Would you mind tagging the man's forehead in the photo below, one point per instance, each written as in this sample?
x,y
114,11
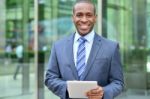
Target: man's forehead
x,y
83,6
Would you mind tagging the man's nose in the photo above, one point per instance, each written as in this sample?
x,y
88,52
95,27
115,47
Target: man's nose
x,y
84,19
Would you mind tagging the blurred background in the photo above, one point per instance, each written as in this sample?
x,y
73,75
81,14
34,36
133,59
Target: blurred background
x,y
21,77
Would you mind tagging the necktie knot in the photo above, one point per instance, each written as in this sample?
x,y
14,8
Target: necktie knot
x,y
82,40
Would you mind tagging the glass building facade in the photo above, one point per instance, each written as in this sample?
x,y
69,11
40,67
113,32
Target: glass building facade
x,y
124,21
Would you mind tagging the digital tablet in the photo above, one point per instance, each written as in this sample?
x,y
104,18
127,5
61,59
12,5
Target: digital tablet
x,y
78,89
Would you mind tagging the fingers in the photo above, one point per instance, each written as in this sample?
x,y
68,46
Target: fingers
x,y
98,90
96,93
95,97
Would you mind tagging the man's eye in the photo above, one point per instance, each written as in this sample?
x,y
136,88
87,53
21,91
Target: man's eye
x,y
89,15
78,15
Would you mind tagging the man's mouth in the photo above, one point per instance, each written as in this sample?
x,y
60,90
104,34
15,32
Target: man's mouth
x,y
84,27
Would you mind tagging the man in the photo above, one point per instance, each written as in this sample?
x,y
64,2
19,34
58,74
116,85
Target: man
x,y
85,56
19,54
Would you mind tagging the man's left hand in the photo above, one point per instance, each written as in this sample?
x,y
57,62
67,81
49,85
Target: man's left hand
x,y
96,93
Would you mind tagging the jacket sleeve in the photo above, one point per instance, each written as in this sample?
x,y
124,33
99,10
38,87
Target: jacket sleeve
x,y
53,77
116,82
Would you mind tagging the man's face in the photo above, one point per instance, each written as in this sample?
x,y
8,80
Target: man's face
x,y
84,18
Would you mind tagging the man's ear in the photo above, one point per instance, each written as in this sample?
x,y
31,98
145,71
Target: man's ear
x,y
73,18
95,18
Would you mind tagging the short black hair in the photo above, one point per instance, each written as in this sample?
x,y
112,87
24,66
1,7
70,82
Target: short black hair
x,y
85,1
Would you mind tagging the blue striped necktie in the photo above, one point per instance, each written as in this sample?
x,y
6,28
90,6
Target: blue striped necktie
x,y
81,57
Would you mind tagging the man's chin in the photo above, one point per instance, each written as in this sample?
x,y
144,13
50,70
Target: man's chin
x,y
83,33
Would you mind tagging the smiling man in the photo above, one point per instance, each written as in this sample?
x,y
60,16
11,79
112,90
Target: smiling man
x,y
84,17
85,56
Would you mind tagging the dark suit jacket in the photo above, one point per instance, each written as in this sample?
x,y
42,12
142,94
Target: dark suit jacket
x,y
103,66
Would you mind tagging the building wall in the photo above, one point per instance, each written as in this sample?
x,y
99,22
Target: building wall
x,y
2,25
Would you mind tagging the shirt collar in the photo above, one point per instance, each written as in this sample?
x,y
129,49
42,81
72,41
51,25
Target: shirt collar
x,y
89,37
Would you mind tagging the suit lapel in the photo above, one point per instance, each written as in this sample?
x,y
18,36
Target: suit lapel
x,y
69,55
95,48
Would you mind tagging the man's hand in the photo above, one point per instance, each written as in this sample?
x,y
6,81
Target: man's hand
x,y
96,93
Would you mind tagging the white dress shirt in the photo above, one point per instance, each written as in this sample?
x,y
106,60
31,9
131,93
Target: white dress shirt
x,y
88,44
19,51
